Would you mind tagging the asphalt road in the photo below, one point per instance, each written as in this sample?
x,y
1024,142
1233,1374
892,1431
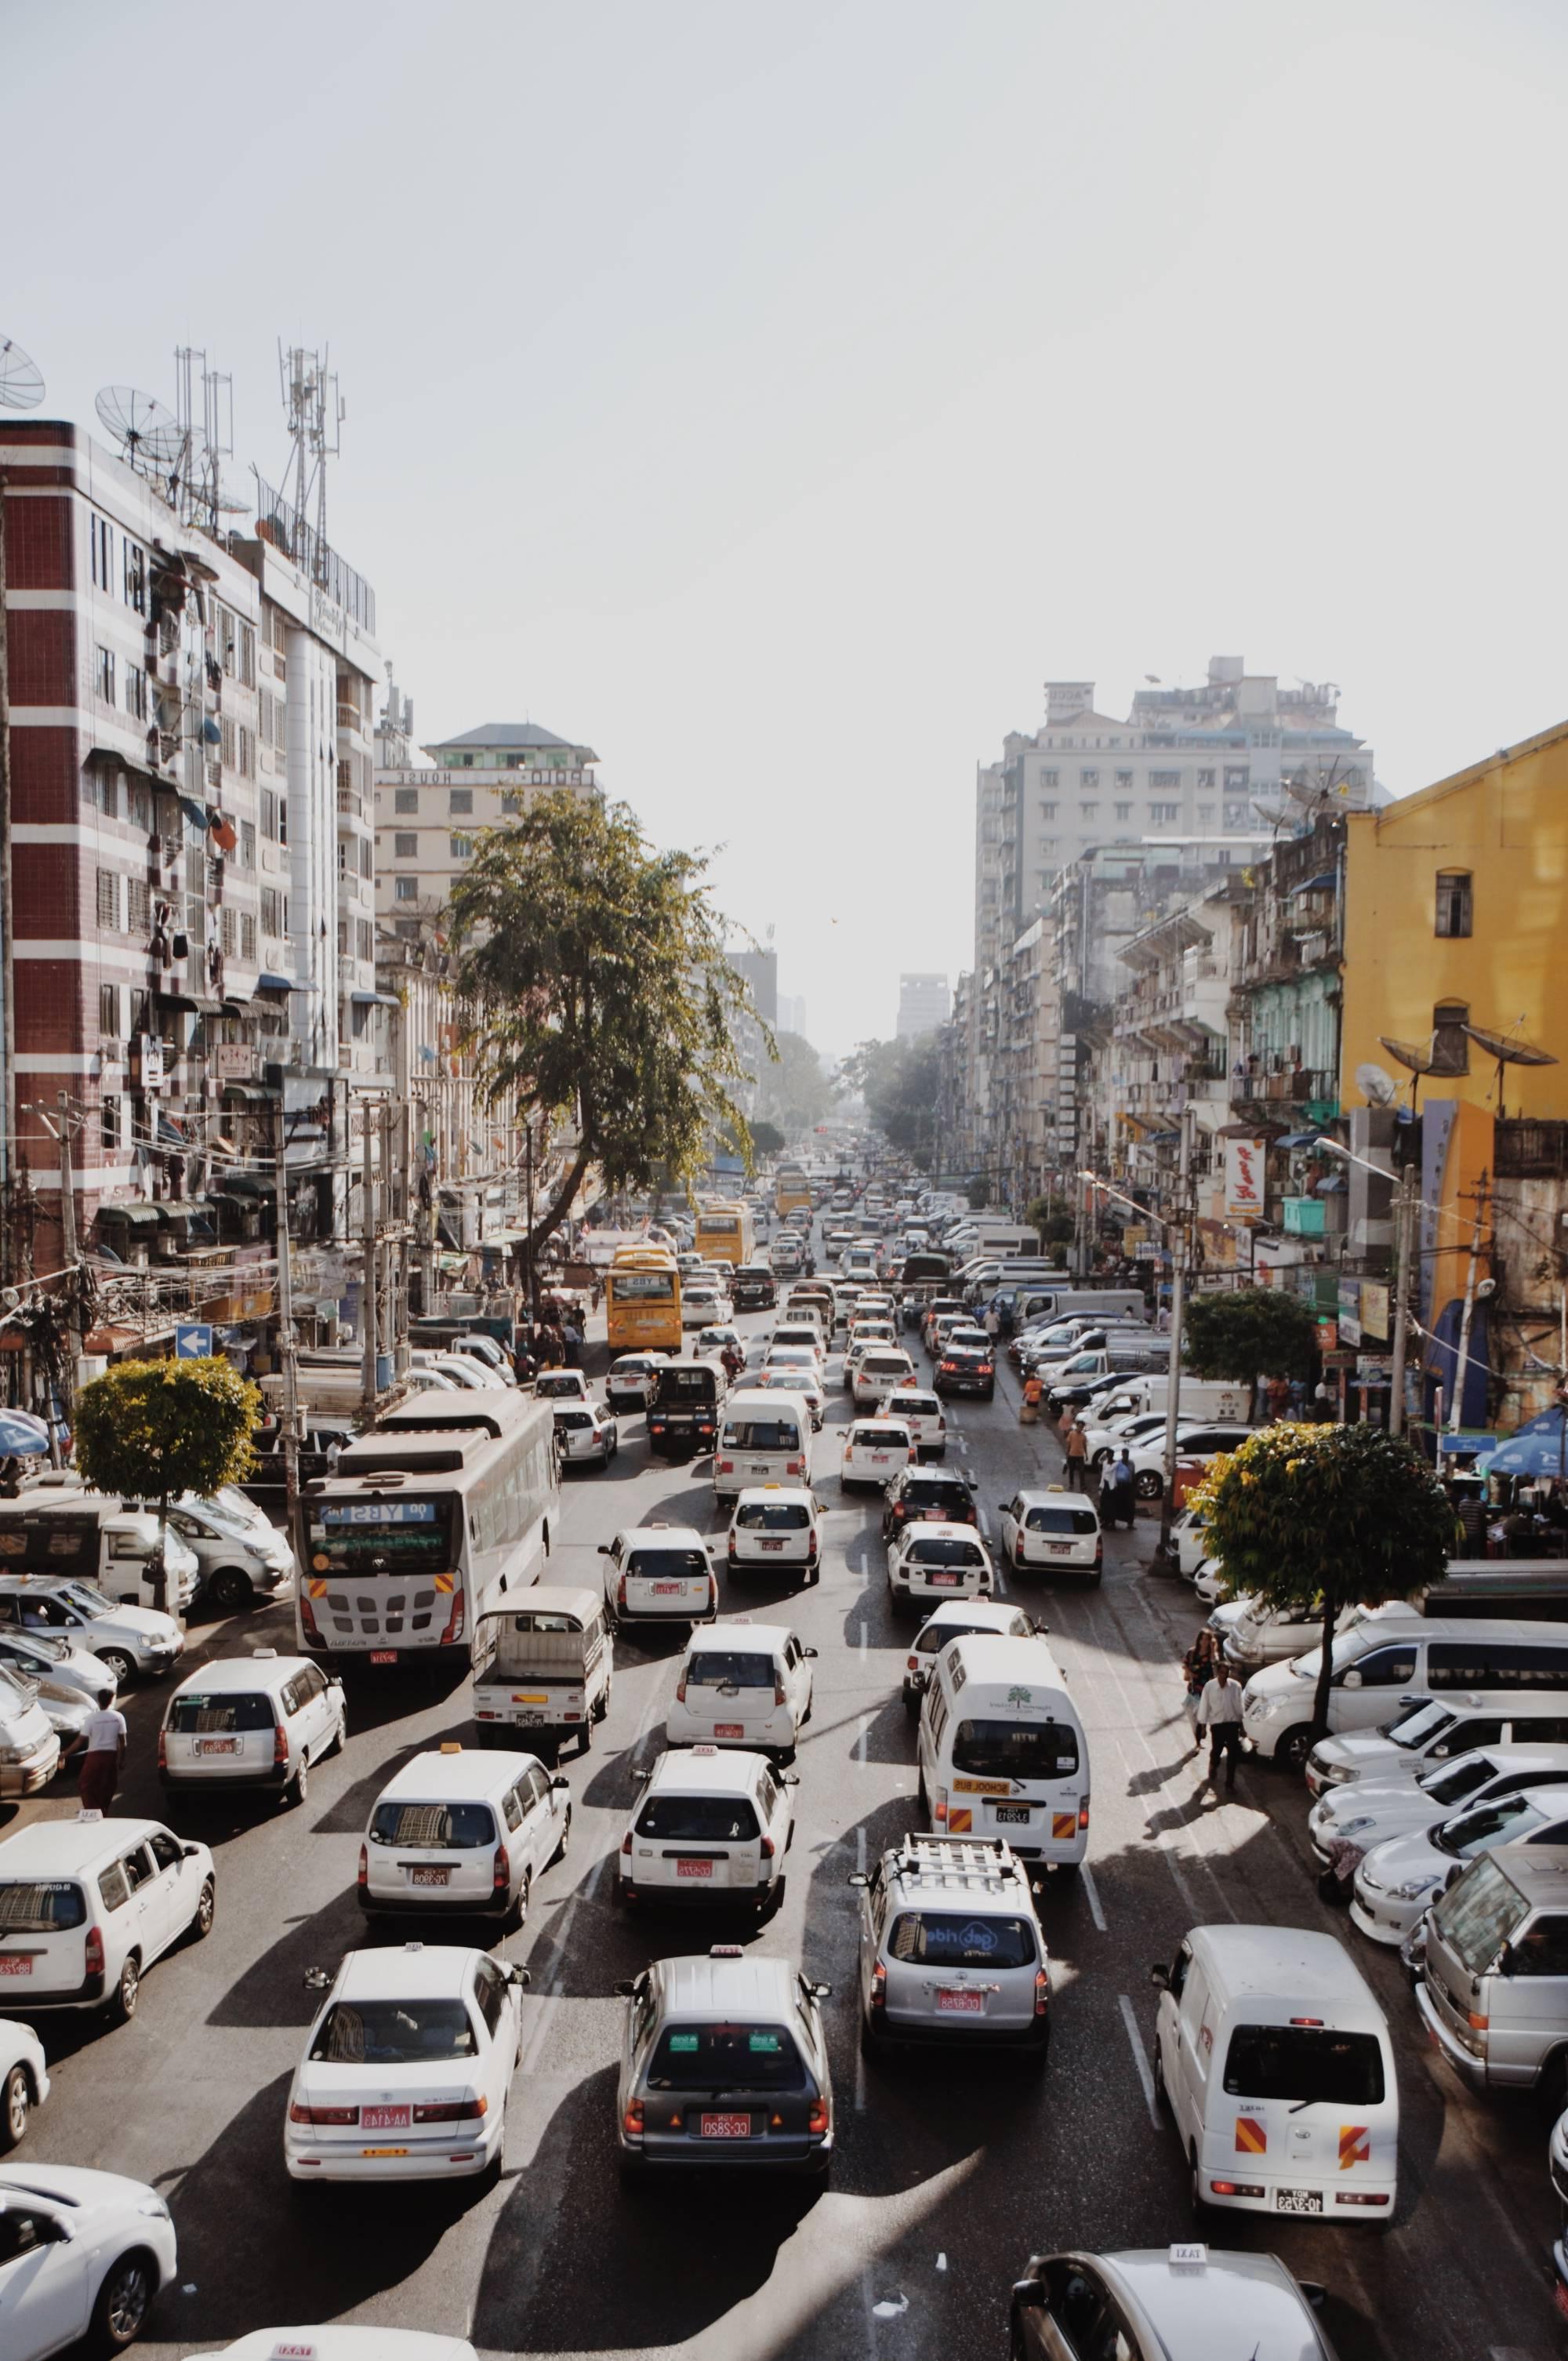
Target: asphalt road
x,y
948,2173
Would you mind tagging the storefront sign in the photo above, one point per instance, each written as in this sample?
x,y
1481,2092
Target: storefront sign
x,y
236,1061
1328,1336
1350,1311
1374,1310
1243,1176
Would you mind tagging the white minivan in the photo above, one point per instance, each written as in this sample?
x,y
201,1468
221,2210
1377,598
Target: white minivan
x,y
764,1438
1002,1752
456,1831
55,1531
29,1744
1273,2058
87,1905
260,1720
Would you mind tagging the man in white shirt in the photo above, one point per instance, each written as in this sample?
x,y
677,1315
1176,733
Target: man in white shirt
x,y
1220,1713
100,1773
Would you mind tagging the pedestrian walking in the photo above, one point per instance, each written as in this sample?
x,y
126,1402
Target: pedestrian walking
x,y
1077,1457
1220,1713
1118,1491
993,1323
1197,1670
100,1772
1029,1409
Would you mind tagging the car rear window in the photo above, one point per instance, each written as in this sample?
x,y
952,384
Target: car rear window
x,y
1065,1522
1304,2062
438,1827
394,2033
199,1717
883,1438
928,1553
547,1387
573,1419
726,2057
747,1669
1016,1749
950,1940
665,1564
46,1907
762,1434
698,1819
933,1492
773,1516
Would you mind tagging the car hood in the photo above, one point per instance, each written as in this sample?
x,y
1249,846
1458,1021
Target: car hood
x,y
1390,1816
77,2182
147,1620
1412,1855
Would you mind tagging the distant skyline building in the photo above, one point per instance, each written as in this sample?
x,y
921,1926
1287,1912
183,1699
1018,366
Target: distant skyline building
x,y
791,1015
426,819
925,1003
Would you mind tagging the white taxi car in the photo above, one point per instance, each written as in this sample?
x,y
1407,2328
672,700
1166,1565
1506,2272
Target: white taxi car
x,y
83,2255
407,2068
924,1413
776,1525
339,2341
465,1832
87,1905
633,1381
748,1685
875,1449
260,1720
951,1948
1051,1532
928,1563
803,1382
585,1433
712,1825
877,1371
952,1620
659,1574
24,2080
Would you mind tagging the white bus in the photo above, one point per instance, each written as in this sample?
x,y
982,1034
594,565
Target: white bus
x,y
446,1506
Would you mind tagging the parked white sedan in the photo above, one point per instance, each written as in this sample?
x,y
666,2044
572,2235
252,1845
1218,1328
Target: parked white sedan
x,y
929,1563
1366,1815
1397,1881
81,2254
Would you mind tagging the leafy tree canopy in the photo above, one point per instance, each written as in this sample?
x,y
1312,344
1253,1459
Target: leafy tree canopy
x,y
767,1139
1251,1333
1052,1217
151,1430
899,1081
593,970
1330,1515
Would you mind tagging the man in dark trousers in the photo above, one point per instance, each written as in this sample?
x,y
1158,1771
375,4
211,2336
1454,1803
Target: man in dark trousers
x,y
1220,1713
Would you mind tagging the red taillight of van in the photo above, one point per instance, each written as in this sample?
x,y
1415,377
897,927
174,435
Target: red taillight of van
x,y
769,1849
1042,1991
730,1544
620,1592
879,1989
163,1750
778,1692
280,1746
794,1467
820,2122
308,1619
364,1866
94,1959
500,1876
626,1845
1083,1814
681,1690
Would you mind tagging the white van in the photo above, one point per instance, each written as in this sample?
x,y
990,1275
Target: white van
x,y
29,1744
1274,2060
1199,1398
87,1905
1494,1994
764,1438
1002,1752
1432,1731
93,1539
1387,1656
455,1831
547,1667
260,1720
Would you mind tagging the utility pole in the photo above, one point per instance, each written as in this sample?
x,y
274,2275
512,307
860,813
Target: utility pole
x,y
1407,1220
1179,1234
528,1200
367,1275
8,936
1456,1407
405,1217
286,1343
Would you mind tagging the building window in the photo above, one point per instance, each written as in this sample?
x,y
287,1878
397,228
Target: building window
x,y
135,692
1089,811
1164,815
357,1014
246,753
1123,778
1450,1041
1048,811
1205,778
230,749
228,931
364,938
274,817
139,906
247,844
408,889
1050,778
247,935
133,577
1235,815
1089,778
367,858
104,674
109,1011
1165,778
248,655
226,641
405,799
1205,815
1124,811
407,930
405,845
109,900
138,805
462,847
1238,778
460,799
269,910
1453,903
109,1121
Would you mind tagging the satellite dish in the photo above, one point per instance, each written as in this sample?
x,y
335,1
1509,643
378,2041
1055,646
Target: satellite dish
x,y
142,426
1376,1088
1277,815
21,380
1509,1049
1416,1057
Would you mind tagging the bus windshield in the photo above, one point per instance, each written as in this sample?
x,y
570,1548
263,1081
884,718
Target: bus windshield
x,y
361,1537
642,1286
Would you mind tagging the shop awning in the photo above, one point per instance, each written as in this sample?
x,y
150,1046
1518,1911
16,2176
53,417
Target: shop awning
x,y
1318,885
245,1184
182,1000
267,981
1298,1139
232,1090
137,1211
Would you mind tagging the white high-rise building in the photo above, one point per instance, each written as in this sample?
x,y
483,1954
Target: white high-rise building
x,y
924,1003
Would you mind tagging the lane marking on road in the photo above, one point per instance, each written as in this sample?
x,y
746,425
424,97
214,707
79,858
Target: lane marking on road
x,y
865,1640
860,2053
560,1934
866,1720
1086,1877
1140,2057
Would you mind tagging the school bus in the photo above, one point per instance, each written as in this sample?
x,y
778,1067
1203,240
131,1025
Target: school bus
x,y
642,1300
791,1188
724,1234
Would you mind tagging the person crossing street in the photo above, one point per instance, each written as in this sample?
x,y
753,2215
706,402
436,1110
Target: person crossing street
x,y
1220,1713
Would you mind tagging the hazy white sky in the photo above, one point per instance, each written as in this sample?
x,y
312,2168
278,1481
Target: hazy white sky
x,y
775,397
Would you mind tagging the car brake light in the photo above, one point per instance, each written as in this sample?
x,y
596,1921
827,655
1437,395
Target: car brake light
x,y
632,2121
280,1744
1236,2188
778,1692
162,1750
948,1366
308,1619
1042,1991
984,1369
939,1809
794,1467
1308,2020
94,1950
620,1592
681,1690
769,1849
730,1544
452,2111
364,1866
453,1631
819,2121
724,1467
1083,1813
915,1663
879,1987
501,1875
298,2114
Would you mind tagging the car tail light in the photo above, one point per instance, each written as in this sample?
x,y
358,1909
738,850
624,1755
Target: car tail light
x,y
724,1467
298,2114
681,1690
769,1849
279,1745
1083,1813
308,1619
984,1369
1042,1991
1363,2197
879,1988
632,2121
939,1807
778,1692
453,1631
730,1543
163,1750
1236,2188
94,1950
1100,1553
620,1592
947,1368
452,2111
820,2122
500,1877
364,1866
794,1467
626,1844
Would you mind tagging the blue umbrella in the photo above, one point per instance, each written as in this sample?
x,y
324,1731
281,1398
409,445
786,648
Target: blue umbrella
x,y
20,1434
1537,1449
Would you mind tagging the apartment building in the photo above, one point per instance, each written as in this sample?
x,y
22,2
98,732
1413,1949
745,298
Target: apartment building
x,y
924,1004
427,814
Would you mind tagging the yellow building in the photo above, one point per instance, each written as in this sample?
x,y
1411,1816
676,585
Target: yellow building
x,y
1455,912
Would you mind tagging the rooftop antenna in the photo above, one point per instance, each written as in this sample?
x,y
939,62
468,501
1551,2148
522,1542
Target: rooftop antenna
x,y
21,380
209,438
150,436
316,410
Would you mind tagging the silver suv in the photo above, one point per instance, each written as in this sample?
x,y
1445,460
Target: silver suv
x,y
952,1949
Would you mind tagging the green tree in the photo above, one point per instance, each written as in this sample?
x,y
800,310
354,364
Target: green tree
x,y
794,1095
977,1191
767,1139
900,1081
594,972
1254,1331
152,1430
1325,1517
1052,1217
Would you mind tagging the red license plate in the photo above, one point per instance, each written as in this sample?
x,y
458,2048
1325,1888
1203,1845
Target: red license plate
x,y
666,1589
934,1516
726,2127
960,2003
729,1729
943,1581
217,1746
1059,1549
383,1655
430,1877
693,1868
773,1544
15,1963
383,2119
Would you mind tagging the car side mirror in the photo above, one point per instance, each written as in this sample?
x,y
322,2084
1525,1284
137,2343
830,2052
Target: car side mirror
x,y
604,1549
559,1782
808,1652
820,1992
624,1987
519,1977
857,1877
1030,2292
788,1778
1314,2291
1159,1976
316,1980
1351,1680
189,1852
1042,1629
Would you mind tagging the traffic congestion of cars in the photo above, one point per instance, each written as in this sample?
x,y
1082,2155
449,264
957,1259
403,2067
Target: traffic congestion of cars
x,y
842,1455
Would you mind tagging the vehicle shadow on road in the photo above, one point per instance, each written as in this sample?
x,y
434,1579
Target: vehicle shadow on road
x,y
272,1989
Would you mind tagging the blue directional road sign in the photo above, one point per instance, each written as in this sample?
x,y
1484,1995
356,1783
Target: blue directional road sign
x,y
192,1341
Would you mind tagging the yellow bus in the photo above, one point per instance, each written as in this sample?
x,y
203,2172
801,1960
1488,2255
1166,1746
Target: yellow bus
x,y
791,1188
724,1234
642,1300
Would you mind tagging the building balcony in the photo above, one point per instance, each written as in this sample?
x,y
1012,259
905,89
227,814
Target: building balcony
x,y
351,803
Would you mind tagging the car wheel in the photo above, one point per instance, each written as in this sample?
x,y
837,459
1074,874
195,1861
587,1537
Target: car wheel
x,y
124,2302
116,1660
564,1838
15,2106
1294,1746
231,1589
206,1910
298,1787
1148,1484
517,1915
127,1992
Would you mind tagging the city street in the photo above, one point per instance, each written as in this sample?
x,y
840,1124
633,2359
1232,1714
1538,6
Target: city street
x,y
946,2174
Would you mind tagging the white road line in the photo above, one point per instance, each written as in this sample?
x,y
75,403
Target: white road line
x,y
866,1720
865,1640
860,2053
1087,1876
1140,2057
